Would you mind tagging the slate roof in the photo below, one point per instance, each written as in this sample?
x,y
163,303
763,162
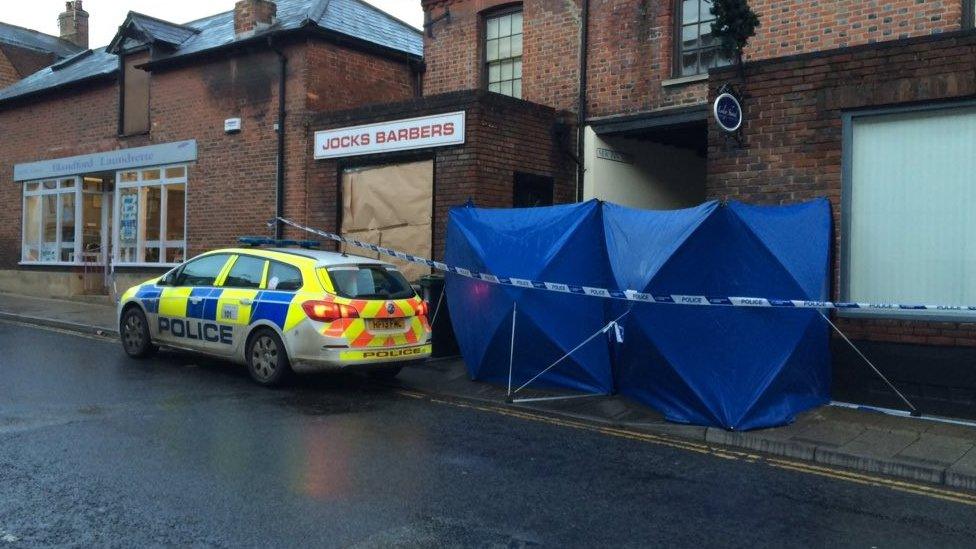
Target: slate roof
x,y
352,18
151,29
32,39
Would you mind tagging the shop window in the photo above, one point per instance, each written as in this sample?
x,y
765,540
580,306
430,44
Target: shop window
x,y
151,216
503,52
50,229
696,50
135,97
908,209
532,190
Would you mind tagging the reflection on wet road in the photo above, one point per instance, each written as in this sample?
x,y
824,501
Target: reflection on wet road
x,y
96,449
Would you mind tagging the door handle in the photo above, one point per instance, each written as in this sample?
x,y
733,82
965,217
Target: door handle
x,y
246,301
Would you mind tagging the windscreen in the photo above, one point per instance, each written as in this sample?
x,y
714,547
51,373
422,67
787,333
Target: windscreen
x,y
370,282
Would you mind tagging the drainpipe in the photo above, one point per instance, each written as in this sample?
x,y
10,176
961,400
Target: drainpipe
x,y
280,176
581,110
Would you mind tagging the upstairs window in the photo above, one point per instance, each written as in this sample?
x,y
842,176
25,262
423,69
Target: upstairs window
x,y
696,50
503,53
135,97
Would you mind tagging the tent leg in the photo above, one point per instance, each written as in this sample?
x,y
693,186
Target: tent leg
x,y
511,355
543,399
915,411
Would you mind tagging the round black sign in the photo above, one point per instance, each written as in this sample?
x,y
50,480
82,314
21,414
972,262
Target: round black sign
x,y
728,112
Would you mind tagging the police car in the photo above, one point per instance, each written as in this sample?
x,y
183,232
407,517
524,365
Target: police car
x,y
281,310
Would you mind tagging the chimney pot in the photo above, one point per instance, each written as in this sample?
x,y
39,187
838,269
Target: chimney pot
x,y
74,23
251,16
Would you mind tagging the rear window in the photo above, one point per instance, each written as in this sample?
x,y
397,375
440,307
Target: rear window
x,y
370,282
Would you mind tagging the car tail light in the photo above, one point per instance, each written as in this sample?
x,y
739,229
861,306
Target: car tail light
x,y
423,309
327,311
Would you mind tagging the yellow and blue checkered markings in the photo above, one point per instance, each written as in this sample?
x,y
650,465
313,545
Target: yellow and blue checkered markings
x,y
222,305
149,295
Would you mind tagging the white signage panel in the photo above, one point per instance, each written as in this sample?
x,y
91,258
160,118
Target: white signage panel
x,y
135,157
439,130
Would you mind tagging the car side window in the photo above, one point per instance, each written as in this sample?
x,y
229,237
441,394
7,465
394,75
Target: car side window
x,y
202,271
246,273
284,278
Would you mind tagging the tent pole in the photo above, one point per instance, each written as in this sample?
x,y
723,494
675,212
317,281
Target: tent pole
x,y
511,354
437,307
602,330
915,411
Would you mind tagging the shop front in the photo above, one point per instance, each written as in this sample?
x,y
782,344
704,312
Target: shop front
x,y
394,171
90,218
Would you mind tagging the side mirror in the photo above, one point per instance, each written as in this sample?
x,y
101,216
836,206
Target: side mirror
x,y
168,279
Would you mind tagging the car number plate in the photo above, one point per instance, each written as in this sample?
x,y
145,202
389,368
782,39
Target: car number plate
x,y
387,324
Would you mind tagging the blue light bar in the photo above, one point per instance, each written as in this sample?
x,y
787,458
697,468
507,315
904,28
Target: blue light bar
x,y
257,241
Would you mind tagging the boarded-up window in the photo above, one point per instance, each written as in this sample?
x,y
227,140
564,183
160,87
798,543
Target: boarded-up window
x,y
391,206
135,98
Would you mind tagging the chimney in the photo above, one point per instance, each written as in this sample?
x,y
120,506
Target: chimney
x,y
251,16
74,24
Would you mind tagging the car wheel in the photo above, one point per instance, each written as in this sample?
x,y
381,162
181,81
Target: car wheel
x,y
134,332
385,372
267,360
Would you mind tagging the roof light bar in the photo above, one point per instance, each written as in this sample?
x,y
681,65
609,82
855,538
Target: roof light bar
x,y
258,241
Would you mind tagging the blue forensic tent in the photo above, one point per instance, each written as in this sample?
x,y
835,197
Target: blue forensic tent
x,y
562,244
737,368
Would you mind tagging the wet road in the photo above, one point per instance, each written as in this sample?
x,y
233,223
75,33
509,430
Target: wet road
x,y
96,449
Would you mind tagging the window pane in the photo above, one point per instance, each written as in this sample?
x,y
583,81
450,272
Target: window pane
x,y
50,184
494,72
492,28
495,87
707,59
152,254
689,37
128,224
175,207
491,53
176,173
93,185
203,271
150,175
67,183
689,11
284,278
246,273
506,70
91,221
174,255
152,198
689,63
517,23
67,218
49,227
518,68
31,186
705,31
517,89
504,47
32,233
506,88
128,177
505,25
517,45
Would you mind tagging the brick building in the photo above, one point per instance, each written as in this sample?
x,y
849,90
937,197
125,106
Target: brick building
x,y
125,159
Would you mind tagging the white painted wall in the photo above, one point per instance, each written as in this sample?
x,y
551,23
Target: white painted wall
x,y
655,177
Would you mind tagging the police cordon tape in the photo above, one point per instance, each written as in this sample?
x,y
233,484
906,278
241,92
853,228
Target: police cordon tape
x,y
625,295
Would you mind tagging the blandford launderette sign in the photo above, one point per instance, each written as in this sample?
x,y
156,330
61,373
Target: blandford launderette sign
x,y
136,157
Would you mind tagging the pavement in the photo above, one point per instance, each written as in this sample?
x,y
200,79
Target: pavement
x,y
936,452
100,450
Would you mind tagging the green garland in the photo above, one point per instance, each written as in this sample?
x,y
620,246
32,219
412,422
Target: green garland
x,y
735,23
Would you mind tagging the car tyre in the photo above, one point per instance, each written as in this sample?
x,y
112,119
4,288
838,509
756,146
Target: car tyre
x,y
134,333
267,359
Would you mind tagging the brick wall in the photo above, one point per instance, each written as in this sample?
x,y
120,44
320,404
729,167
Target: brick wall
x,y
793,147
455,54
503,136
339,78
8,74
630,52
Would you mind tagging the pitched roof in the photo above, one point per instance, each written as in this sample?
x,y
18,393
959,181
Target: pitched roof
x,y
354,19
32,39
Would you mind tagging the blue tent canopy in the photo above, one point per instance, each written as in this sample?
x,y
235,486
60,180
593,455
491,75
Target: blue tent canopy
x,y
738,368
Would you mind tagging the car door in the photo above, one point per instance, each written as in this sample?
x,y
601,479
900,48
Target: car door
x,y
188,308
239,293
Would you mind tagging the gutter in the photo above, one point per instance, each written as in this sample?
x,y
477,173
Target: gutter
x,y
581,109
280,170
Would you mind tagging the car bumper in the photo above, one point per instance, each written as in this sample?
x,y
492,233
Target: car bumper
x,y
337,359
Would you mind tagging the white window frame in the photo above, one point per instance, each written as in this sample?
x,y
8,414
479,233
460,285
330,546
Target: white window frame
x,y
514,59
40,193
847,177
141,243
